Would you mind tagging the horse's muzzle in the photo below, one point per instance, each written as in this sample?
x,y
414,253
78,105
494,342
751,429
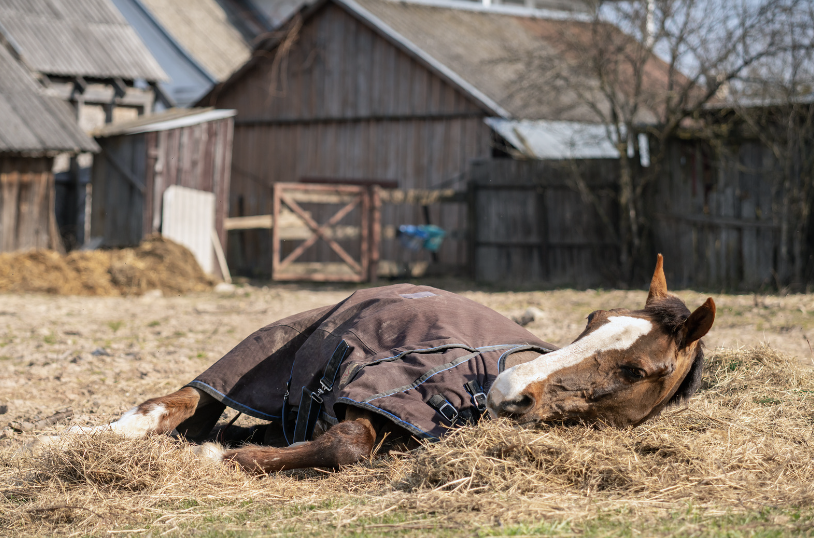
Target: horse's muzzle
x,y
513,408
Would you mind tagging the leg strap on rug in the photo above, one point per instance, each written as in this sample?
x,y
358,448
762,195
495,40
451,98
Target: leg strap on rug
x,y
312,402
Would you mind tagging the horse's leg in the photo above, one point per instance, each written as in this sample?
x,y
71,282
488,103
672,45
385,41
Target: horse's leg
x,y
156,415
344,444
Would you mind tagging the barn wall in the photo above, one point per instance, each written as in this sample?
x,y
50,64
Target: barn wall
x,y
133,171
27,218
349,104
531,226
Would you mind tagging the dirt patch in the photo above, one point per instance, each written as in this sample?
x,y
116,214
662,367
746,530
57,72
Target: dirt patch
x,y
157,263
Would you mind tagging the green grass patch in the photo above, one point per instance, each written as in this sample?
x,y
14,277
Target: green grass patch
x,y
115,325
314,520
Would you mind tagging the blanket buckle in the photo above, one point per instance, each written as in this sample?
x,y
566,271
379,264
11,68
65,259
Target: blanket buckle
x,y
478,396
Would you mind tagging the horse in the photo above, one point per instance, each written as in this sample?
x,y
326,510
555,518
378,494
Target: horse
x,y
623,369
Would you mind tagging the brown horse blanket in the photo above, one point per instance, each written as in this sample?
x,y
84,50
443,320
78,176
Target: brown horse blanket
x,y
403,349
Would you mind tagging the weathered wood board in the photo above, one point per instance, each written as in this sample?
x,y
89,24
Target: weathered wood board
x,y
188,218
27,219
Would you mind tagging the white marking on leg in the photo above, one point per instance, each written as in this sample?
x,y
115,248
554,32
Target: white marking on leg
x,y
132,424
620,332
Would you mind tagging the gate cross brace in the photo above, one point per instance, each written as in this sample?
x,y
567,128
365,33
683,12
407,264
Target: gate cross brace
x,y
319,232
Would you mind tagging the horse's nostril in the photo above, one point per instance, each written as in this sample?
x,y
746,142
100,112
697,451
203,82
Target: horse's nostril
x,y
520,406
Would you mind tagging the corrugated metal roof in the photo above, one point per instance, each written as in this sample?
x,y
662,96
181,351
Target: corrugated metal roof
x,y
204,30
541,139
31,122
86,38
171,119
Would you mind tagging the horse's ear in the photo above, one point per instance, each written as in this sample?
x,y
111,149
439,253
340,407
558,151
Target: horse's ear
x,y
658,286
699,323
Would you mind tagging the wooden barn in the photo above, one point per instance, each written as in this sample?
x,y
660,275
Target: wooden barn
x,y
33,129
368,91
84,53
139,160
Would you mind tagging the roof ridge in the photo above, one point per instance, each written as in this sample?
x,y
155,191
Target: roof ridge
x,y
500,9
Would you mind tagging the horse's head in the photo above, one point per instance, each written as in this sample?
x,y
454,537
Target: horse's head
x,y
624,368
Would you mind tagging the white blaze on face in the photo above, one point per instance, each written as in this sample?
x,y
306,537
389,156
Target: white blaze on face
x,y
619,333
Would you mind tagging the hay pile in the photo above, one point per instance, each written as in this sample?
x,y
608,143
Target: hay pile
x,y
745,442
157,263
749,436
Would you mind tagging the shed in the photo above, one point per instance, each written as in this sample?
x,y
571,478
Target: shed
x,y
386,90
33,128
85,52
140,159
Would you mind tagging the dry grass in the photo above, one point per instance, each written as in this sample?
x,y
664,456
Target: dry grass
x,y
744,443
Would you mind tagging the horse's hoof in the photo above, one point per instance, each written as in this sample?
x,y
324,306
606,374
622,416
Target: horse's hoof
x,y
210,451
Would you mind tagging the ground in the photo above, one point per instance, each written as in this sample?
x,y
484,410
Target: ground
x,y
101,355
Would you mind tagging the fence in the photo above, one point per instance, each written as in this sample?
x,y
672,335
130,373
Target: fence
x,y
714,217
529,223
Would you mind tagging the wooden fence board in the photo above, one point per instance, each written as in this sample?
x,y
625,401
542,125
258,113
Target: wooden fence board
x,y
27,219
530,226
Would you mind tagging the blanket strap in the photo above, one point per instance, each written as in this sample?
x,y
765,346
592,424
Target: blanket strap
x,y
444,408
312,402
478,397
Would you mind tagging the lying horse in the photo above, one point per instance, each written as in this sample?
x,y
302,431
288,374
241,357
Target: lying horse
x,y
419,360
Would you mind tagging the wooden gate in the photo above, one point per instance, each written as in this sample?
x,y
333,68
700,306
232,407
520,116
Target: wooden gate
x,y
288,217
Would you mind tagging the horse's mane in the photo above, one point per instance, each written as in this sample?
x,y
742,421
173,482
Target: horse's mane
x,y
671,313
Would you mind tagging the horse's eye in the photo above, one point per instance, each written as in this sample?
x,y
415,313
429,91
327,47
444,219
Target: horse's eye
x,y
633,373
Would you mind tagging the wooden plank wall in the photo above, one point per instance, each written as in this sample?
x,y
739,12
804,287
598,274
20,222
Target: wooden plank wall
x,y
27,218
713,213
198,157
348,104
117,205
530,225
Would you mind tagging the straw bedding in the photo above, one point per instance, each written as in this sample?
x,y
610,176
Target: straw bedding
x,y
742,443
157,263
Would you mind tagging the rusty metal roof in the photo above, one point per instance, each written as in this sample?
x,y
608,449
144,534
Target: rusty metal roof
x,y
87,38
31,122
